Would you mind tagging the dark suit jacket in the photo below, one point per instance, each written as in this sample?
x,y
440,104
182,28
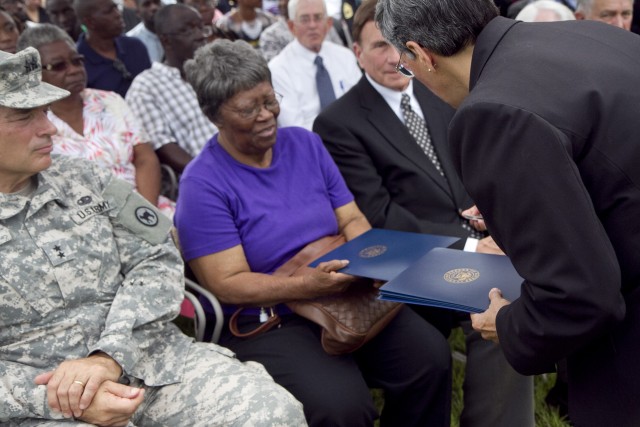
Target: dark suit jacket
x,y
547,145
388,173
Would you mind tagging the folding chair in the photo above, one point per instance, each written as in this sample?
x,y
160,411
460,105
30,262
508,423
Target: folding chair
x,y
193,309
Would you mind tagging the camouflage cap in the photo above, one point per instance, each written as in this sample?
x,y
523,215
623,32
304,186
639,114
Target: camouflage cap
x,y
21,83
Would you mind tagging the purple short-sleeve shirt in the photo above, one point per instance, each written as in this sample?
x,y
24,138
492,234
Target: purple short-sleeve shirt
x,y
272,212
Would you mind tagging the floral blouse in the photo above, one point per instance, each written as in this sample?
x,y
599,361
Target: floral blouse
x,y
110,132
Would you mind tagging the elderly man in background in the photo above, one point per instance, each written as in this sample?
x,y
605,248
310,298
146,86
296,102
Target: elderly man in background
x,y
310,72
614,12
545,11
90,282
163,100
557,182
277,36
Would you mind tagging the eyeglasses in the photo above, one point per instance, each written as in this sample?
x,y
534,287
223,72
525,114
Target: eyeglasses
x,y
60,66
402,69
308,19
250,113
119,65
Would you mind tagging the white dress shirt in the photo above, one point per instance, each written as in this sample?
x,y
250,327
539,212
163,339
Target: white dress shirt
x,y
293,74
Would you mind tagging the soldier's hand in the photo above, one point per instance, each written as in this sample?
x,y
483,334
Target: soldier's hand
x,y
113,404
73,384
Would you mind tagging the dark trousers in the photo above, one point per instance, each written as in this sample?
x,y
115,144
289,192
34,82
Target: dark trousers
x,y
409,360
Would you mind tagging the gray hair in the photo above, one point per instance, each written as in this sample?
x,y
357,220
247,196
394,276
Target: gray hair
x,y
43,34
530,12
221,69
442,26
292,7
584,6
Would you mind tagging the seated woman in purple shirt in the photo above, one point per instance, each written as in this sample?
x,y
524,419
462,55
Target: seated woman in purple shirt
x,y
251,200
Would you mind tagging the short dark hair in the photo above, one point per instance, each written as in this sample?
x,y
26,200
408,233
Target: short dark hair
x,y
366,12
165,14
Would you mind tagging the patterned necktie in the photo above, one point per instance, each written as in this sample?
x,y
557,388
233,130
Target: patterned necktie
x,y
323,82
418,129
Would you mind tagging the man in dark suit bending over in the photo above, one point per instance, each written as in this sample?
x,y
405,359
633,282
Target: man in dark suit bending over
x,y
557,180
388,135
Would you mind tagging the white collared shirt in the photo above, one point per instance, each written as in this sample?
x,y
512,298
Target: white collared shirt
x,y
293,74
393,97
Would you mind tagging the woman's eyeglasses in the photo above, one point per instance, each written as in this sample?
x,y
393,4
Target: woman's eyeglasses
x,y
251,113
60,66
402,69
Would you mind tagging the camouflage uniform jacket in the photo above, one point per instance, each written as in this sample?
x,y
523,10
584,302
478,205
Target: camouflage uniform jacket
x,y
85,265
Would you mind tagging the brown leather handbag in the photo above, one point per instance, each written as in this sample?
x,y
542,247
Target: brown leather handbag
x,y
348,319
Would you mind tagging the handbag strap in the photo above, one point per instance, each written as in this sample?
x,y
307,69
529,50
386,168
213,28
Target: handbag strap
x,y
310,252
264,327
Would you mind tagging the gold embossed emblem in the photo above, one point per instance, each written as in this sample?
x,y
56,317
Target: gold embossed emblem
x,y
461,275
347,11
372,251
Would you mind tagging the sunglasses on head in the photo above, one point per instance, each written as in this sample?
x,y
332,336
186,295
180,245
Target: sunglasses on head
x,y
57,67
119,65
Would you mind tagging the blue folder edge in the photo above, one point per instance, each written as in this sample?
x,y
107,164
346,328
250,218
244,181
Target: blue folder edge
x,y
383,254
453,279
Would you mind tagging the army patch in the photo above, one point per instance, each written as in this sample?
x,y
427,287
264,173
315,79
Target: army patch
x,y
144,219
147,216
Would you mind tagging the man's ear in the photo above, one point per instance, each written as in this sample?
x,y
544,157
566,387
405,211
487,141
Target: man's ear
x,y
579,16
357,50
290,24
329,24
424,57
165,41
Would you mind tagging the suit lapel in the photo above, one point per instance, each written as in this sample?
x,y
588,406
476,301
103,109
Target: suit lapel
x,y
396,134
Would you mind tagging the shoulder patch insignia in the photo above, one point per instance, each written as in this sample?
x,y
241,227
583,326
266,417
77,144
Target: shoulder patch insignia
x,y
143,219
147,216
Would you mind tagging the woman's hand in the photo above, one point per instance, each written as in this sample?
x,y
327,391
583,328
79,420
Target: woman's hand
x,y
73,384
325,279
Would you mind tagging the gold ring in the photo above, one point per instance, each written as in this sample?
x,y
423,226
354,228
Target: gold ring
x,y
79,382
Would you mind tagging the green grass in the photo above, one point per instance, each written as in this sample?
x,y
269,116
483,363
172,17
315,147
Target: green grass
x,y
545,416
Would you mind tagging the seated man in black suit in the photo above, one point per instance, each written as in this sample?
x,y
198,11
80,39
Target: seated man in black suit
x,y
388,136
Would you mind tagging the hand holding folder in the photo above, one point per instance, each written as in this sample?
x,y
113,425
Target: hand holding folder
x,y
421,270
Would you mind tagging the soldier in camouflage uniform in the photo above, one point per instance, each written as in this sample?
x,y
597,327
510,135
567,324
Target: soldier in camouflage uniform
x,y
89,282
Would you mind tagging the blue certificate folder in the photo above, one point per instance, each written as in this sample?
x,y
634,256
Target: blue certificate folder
x,y
457,280
383,254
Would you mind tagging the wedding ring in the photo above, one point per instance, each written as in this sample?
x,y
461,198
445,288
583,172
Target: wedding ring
x,y
79,382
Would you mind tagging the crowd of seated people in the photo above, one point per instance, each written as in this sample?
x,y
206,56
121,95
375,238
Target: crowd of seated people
x,y
170,92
